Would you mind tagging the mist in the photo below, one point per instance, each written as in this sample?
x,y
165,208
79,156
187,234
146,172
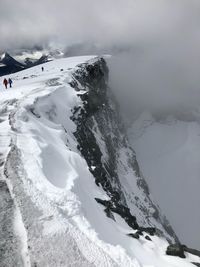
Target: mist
x,y
161,70
160,74
106,23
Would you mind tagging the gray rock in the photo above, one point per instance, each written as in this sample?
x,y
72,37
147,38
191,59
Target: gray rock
x,y
175,250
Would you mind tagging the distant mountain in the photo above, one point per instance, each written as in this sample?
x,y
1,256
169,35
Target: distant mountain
x,y
11,64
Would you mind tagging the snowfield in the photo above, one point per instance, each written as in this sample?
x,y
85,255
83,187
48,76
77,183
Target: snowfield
x,y
57,221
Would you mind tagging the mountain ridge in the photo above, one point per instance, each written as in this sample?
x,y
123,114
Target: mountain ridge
x,y
54,174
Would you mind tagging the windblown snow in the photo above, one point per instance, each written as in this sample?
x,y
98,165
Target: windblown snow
x,y
57,221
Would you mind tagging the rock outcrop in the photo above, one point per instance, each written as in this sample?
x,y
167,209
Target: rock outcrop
x,y
103,143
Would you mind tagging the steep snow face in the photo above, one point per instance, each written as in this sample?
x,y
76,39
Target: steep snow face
x,y
52,185
168,152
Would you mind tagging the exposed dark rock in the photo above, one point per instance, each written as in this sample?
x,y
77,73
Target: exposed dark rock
x,y
149,230
124,212
33,111
139,232
175,250
192,251
41,60
93,79
196,263
148,238
109,214
135,235
99,115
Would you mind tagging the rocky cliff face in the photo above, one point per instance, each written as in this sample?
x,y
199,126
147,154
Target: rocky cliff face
x,y
103,143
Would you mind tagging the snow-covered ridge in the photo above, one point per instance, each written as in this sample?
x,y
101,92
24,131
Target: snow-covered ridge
x,y
63,148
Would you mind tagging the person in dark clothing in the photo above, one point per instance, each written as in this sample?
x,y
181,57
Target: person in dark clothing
x,y
42,68
5,82
10,82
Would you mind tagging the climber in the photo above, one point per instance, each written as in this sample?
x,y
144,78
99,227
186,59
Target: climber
x,y
10,82
42,68
5,82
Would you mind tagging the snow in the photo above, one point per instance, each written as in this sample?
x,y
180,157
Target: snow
x,y
33,56
58,181
169,156
3,56
21,233
21,55
19,228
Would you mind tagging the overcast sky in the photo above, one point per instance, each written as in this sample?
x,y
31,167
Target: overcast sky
x,y
121,22
162,65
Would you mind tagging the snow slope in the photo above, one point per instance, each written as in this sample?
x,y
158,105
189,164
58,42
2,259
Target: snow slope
x,y
169,155
57,221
